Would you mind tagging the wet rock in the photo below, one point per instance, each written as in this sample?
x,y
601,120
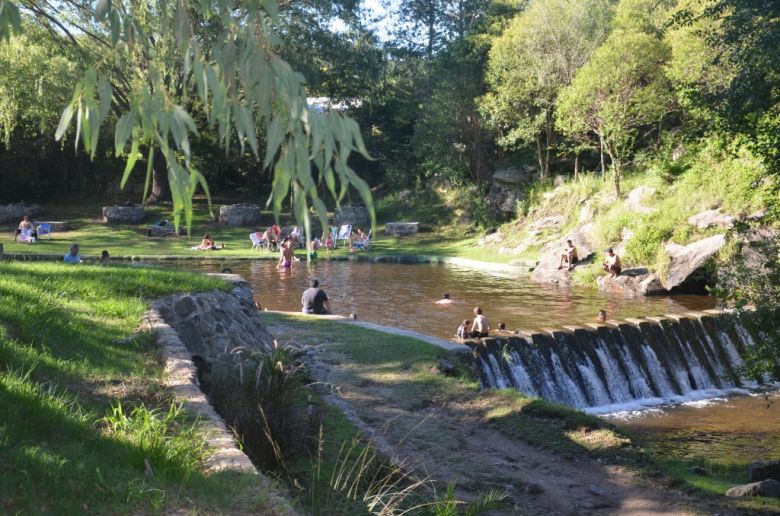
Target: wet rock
x,y
236,215
632,282
686,260
15,212
547,270
769,488
124,214
712,219
765,470
402,228
637,196
508,187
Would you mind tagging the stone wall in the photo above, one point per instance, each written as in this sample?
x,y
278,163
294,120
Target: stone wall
x,y
123,214
15,212
237,215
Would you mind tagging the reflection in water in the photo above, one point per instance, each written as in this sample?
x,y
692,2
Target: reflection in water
x,y
403,295
740,429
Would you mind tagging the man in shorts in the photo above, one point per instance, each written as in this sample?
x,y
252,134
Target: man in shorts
x,y
569,256
612,264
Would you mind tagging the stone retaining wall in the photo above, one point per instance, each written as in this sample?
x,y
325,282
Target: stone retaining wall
x,y
206,324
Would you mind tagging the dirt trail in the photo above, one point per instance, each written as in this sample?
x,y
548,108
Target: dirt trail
x,y
448,438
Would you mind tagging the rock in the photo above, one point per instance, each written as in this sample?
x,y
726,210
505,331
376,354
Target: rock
x,y
534,489
402,228
686,260
764,488
547,270
212,323
625,235
632,282
678,152
236,215
157,230
123,214
553,221
493,238
559,180
15,212
712,218
637,196
698,470
354,214
598,491
508,187
765,470
586,213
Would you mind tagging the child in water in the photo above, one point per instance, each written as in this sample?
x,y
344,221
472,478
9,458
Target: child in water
x,y
463,329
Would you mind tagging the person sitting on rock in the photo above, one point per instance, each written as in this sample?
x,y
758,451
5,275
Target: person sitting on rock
x,y
480,327
569,256
612,264
445,299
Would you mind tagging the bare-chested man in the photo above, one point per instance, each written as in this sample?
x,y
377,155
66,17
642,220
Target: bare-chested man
x,y
612,264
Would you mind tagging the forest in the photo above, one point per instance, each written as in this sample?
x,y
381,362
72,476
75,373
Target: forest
x,y
441,89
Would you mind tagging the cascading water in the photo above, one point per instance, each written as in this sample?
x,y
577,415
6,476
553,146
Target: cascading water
x,y
603,367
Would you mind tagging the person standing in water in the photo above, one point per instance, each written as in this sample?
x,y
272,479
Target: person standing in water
x,y
285,255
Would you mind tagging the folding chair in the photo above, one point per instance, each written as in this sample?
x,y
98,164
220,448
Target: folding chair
x,y
365,245
344,233
44,230
257,241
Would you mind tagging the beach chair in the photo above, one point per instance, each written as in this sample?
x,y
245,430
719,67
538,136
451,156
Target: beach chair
x,y
344,232
44,230
257,240
365,245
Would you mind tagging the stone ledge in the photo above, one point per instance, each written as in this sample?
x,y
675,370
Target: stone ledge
x,y
181,376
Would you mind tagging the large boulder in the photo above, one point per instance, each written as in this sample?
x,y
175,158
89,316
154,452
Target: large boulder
x,y
354,214
236,215
508,187
685,260
637,196
632,282
765,470
123,214
15,212
547,271
764,488
712,219
551,222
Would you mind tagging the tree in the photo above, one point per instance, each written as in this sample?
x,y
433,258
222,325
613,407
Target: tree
x,y
621,89
160,58
532,61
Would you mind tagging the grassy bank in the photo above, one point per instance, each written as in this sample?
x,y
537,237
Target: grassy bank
x,y
82,407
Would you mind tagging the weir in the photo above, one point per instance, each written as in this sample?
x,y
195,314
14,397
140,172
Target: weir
x,y
651,360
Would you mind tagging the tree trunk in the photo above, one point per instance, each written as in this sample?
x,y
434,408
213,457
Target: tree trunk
x,y
576,165
540,157
601,153
549,136
615,170
161,189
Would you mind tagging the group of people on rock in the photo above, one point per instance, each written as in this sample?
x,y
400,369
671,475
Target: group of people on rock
x,y
570,257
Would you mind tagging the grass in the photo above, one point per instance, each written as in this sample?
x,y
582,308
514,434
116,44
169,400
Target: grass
x,y
131,241
82,407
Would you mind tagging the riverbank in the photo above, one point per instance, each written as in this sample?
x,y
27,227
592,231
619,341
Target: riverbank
x,y
425,405
87,423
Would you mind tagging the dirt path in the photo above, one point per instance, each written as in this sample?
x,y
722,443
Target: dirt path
x,y
445,435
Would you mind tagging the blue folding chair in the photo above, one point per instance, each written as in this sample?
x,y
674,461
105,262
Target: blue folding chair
x,y
44,230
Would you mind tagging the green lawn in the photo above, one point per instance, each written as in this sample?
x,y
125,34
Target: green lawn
x,y
82,407
85,227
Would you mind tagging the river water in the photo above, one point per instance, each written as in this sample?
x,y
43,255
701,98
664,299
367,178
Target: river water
x,y
404,295
733,430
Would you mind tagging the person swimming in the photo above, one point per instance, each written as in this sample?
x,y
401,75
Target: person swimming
x,y
445,299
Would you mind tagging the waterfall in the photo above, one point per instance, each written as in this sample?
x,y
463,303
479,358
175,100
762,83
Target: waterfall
x,y
618,365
